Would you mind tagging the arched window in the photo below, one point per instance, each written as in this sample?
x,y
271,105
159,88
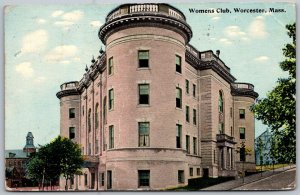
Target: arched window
x,y
97,116
89,120
221,102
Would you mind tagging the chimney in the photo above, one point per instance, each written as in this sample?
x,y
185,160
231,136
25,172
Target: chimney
x,y
218,53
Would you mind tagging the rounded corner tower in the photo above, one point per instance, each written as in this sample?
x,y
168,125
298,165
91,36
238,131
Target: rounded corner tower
x,y
69,105
148,137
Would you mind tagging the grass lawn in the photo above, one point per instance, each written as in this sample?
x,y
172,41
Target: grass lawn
x,y
270,167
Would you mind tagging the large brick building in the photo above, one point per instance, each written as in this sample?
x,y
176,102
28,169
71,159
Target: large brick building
x,y
152,111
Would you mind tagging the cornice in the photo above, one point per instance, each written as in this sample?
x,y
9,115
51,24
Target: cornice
x,y
145,19
243,92
67,92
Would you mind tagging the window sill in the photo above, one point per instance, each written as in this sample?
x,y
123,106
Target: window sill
x,y
143,105
179,73
178,108
143,68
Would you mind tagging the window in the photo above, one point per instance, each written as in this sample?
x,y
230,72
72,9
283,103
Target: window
x,y
111,99
109,179
191,171
231,131
102,179
144,178
221,103
187,143
180,176
215,159
110,66
178,64
89,120
72,113
111,137
97,146
187,86
221,128
90,149
178,135
198,171
242,154
231,112
195,145
242,113
143,93
178,97
194,90
143,59
187,114
104,110
85,179
242,133
144,131
71,132
194,116
82,110
97,116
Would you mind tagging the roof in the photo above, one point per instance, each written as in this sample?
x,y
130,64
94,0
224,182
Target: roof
x,y
18,154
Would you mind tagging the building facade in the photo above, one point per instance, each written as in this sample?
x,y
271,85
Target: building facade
x,y
152,111
16,162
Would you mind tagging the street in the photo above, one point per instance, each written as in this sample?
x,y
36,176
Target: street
x,y
281,181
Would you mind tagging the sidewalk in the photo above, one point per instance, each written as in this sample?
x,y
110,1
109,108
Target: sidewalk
x,y
252,178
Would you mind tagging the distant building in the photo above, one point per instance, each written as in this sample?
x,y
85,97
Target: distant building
x,y
152,111
266,140
16,163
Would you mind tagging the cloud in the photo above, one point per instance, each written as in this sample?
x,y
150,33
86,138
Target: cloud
x,y
60,53
234,31
216,18
225,41
40,80
72,16
57,13
96,24
25,69
41,21
262,59
34,41
68,19
257,28
65,62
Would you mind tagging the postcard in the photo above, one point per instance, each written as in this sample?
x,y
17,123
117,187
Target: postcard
x,y
150,97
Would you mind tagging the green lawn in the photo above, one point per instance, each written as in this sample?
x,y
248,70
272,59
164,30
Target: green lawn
x,y
270,167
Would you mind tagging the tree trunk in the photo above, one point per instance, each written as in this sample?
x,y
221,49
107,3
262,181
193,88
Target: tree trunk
x,y
66,186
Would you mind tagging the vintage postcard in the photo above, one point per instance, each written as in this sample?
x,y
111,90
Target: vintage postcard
x,y
150,97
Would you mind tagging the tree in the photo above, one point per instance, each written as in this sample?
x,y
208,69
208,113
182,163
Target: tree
x,y
278,109
260,147
60,157
274,150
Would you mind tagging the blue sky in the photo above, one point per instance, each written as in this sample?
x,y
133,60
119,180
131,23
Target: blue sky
x,y
48,45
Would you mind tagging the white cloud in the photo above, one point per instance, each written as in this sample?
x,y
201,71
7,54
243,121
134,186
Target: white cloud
x,y
41,21
63,23
60,53
257,28
25,69
76,59
65,62
96,24
40,80
68,19
262,59
34,41
234,31
72,16
57,13
216,18
225,41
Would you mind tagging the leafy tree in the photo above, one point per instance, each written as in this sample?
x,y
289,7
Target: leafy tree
x,y
274,150
278,110
60,157
260,148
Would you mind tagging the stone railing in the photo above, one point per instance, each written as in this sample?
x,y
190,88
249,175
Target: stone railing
x,y
225,138
243,86
69,85
145,8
